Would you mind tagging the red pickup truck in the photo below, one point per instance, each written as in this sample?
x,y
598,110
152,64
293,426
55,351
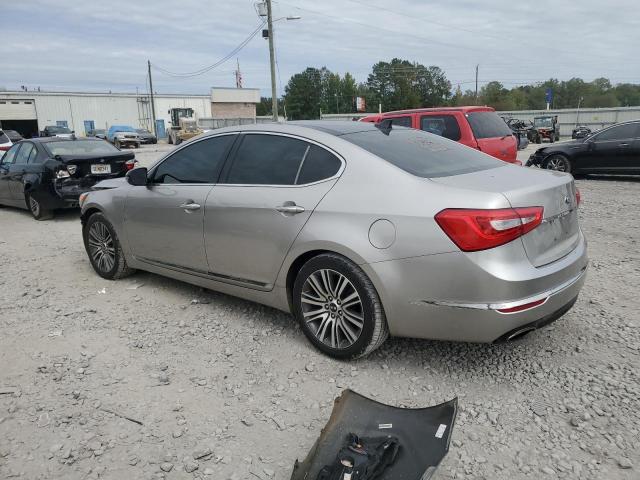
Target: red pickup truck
x,y
476,127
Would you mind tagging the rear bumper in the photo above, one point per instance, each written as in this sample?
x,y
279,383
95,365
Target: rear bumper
x,y
454,296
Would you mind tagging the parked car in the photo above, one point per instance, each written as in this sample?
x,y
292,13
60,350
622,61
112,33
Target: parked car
x,y
98,133
615,149
43,174
546,127
123,136
476,127
336,223
14,136
146,136
580,132
56,131
5,143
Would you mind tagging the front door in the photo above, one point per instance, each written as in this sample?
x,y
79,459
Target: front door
x,y
164,220
265,197
18,170
612,149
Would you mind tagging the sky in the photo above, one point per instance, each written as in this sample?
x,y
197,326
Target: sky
x,y
69,45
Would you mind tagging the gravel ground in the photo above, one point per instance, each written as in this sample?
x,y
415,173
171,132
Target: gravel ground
x,y
148,377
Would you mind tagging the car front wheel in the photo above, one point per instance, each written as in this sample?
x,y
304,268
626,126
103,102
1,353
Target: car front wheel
x,y
559,163
338,307
104,249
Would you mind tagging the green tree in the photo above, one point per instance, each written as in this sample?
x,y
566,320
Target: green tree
x,y
303,95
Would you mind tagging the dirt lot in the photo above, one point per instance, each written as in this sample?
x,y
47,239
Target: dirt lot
x,y
152,378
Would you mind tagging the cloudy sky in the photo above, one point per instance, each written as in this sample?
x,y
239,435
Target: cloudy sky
x,y
101,46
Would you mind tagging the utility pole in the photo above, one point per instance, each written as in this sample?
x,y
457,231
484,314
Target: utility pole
x,y
477,84
272,60
153,104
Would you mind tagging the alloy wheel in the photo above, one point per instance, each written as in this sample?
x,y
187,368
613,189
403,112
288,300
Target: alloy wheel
x,y
101,247
34,205
557,163
332,308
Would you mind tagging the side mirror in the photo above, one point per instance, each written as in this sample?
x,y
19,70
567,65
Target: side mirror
x,y
137,177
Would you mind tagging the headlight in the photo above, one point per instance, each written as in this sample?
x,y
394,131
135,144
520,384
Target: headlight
x,y
62,174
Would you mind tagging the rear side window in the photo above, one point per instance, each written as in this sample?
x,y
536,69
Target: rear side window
x,y
267,160
3,137
400,121
619,132
24,153
317,165
444,125
487,125
422,154
199,162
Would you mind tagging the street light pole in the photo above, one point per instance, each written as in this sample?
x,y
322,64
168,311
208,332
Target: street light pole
x,y
272,60
153,103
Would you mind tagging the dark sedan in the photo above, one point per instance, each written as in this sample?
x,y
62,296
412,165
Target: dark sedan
x,y
146,136
613,150
43,174
14,136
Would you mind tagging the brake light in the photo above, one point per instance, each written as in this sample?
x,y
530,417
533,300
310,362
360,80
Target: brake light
x,y
130,164
4,149
578,197
474,229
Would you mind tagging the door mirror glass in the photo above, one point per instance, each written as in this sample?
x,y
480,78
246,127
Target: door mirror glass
x,y
137,177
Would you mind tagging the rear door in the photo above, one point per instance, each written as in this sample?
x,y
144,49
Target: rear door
x,y
164,220
615,148
265,197
493,135
5,175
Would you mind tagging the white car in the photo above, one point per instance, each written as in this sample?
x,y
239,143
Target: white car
x,y
5,143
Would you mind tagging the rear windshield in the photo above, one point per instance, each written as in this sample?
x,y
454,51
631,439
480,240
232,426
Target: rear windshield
x,y
58,129
3,138
487,125
80,147
422,154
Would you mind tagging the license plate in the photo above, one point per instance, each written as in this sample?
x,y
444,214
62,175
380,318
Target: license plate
x,y
100,169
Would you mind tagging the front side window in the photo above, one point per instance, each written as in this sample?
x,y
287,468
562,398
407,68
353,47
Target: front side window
x,y
267,160
444,125
24,153
199,162
619,132
487,124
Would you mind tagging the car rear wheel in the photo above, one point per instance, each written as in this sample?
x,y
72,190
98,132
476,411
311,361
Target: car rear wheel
x,y
36,208
104,249
559,163
338,307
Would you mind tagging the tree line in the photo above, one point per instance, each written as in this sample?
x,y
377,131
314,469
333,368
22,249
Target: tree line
x,y
401,84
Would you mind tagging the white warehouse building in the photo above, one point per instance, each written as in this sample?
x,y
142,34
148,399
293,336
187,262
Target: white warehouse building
x,y
28,112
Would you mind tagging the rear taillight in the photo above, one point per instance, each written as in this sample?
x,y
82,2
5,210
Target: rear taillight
x,y
4,149
472,230
578,197
130,164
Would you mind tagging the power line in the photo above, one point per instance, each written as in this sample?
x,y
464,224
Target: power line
x,y
214,65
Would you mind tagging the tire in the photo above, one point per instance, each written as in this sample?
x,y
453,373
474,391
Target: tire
x,y
178,140
538,139
349,326
36,208
169,139
100,236
559,163
551,139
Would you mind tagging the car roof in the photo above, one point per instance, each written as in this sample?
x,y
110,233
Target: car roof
x,y
463,109
60,139
335,127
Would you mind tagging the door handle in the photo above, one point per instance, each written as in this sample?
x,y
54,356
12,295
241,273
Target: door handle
x,y
190,206
290,209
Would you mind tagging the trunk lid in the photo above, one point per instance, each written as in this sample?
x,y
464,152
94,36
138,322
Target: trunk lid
x,y
84,163
559,232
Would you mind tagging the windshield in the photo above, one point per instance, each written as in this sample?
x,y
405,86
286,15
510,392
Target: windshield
x,y
123,129
422,154
58,129
543,122
142,130
487,124
80,147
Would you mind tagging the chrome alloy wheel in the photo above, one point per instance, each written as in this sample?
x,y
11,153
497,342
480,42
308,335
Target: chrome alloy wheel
x,y
101,247
557,163
34,205
332,308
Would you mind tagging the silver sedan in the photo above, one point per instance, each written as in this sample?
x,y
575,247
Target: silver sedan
x,y
361,231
